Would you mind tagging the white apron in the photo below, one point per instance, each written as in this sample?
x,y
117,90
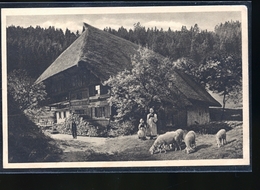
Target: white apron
x,y
151,124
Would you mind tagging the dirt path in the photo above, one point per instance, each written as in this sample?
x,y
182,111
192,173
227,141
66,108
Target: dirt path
x,y
68,144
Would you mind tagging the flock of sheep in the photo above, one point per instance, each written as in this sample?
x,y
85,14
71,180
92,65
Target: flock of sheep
x,y
175,138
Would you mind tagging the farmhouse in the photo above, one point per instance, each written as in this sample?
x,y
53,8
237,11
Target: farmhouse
x,y
74,80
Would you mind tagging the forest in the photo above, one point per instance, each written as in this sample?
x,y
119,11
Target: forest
x,y
34,49
31,48
192,43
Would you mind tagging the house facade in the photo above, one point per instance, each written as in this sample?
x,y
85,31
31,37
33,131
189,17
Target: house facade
x,y
74,81
78,90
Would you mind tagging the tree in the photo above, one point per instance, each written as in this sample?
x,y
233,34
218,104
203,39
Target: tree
x,y
223,75
24,91
223,69
219,67
191,68
140,34
147,84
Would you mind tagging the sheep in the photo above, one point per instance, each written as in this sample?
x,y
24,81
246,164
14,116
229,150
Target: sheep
x,y
178,137
221,137
190,140
162,141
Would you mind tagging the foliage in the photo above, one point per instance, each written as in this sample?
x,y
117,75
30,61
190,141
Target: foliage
x,y
148,84
229,114
228,37
223,75
122,128
191,68
24,90
26,142
214,127
34,49
193,44
222,70
198,53
84,128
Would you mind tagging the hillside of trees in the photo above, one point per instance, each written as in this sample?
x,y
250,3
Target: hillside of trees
x,y
192,43
34,49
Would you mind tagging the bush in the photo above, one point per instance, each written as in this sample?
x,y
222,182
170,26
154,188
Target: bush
x,y
229,114
214,127
122,128
84,128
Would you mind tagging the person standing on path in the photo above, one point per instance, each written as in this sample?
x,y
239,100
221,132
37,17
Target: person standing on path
x,y
151,124
74,127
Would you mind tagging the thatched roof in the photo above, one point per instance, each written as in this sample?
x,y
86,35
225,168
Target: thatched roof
x,y
102,53
105,55
192,90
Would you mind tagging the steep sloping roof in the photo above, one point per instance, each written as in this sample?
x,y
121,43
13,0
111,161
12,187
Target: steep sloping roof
x,y
102,53
191,89
105,54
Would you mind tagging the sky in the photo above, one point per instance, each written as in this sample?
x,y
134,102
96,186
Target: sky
x,y
73,20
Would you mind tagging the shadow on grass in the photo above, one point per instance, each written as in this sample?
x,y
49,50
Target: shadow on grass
x,y
228,142
203,146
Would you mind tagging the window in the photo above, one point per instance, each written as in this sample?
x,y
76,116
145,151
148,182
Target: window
x,y
59,115
64,114
99,112
97,90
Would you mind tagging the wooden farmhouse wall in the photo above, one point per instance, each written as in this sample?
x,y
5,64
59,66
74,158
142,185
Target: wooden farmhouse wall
x,y
80,91
175,117
197,114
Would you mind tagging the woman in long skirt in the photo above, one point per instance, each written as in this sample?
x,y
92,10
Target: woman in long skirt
x,y
151,124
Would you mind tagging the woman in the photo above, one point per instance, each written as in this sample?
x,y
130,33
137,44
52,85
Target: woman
x,y
151,124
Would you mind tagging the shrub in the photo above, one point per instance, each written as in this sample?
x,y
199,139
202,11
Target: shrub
x,y
214,127
84,128
122,128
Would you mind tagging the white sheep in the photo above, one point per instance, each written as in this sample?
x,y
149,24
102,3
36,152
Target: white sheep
x,y
221,137
190,141
162,141
178,137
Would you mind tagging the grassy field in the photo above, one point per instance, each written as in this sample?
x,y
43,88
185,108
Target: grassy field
x,y
130,148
